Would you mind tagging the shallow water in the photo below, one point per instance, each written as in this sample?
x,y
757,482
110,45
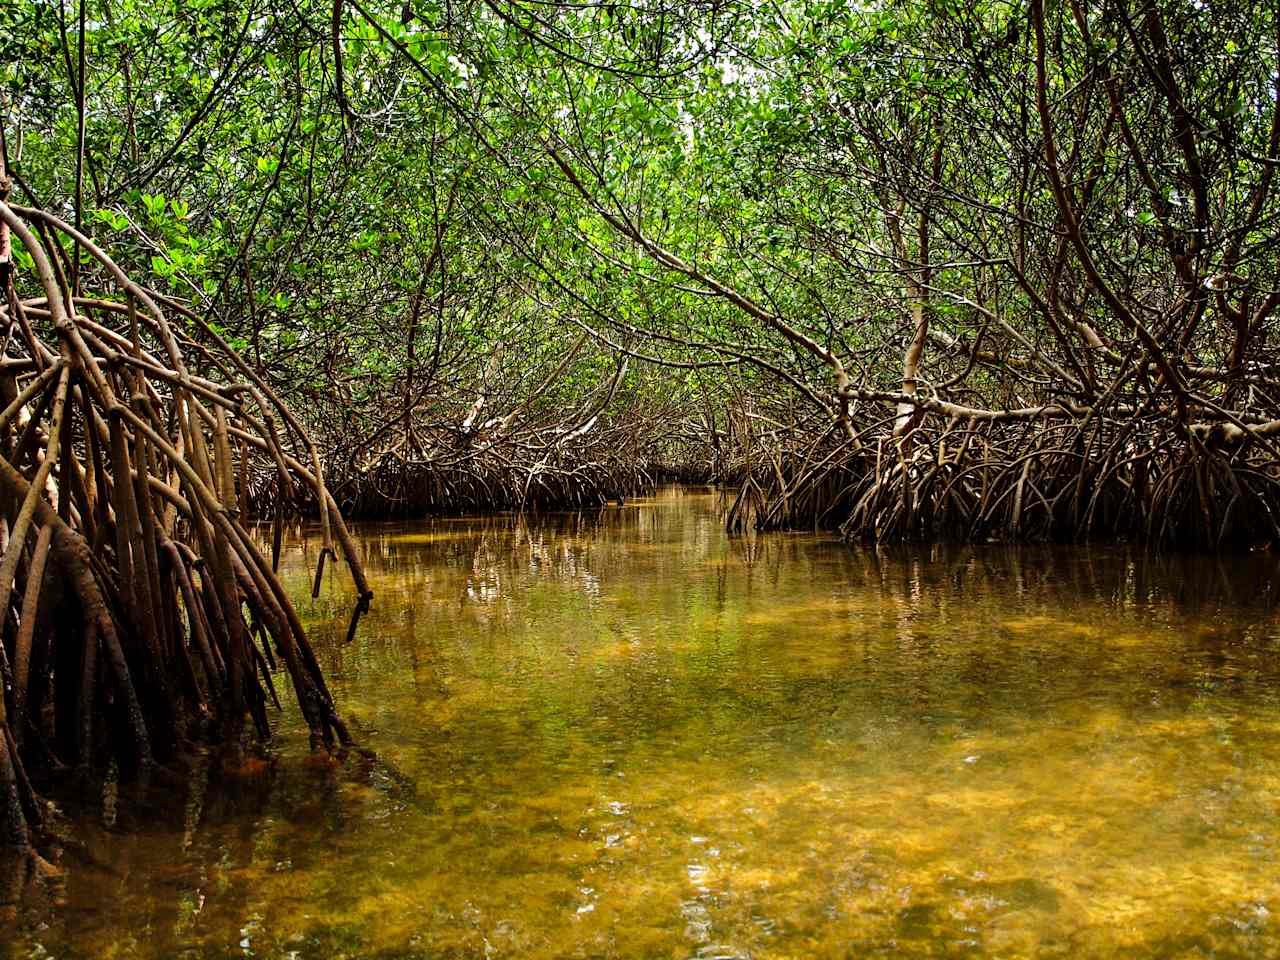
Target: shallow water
x,y
626,735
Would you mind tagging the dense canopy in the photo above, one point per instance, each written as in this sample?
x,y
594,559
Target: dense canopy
x,y
1004,268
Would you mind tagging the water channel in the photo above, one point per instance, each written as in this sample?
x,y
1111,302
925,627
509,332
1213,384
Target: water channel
x,y
625,734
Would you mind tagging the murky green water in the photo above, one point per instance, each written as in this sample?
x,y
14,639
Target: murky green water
x,y
628,736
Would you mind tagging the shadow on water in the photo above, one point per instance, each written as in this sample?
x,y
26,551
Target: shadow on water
x,y
624,734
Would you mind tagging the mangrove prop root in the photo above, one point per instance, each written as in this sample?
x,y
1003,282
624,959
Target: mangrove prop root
x,y
1134,479
138,612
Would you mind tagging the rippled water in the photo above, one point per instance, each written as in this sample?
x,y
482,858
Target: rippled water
x,y
626,735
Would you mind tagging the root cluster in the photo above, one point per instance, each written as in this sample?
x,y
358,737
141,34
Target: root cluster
x,y
1138,480
139,615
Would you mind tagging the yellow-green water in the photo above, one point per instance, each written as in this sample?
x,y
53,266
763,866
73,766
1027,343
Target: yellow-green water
x,y
626,735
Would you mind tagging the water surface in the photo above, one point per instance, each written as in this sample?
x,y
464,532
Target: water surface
x,y
627,735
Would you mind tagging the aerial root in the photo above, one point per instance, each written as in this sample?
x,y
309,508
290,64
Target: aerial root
x,y
1119,481
140,615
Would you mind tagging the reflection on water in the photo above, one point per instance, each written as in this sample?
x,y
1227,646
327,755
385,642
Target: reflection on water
x,y
625,735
